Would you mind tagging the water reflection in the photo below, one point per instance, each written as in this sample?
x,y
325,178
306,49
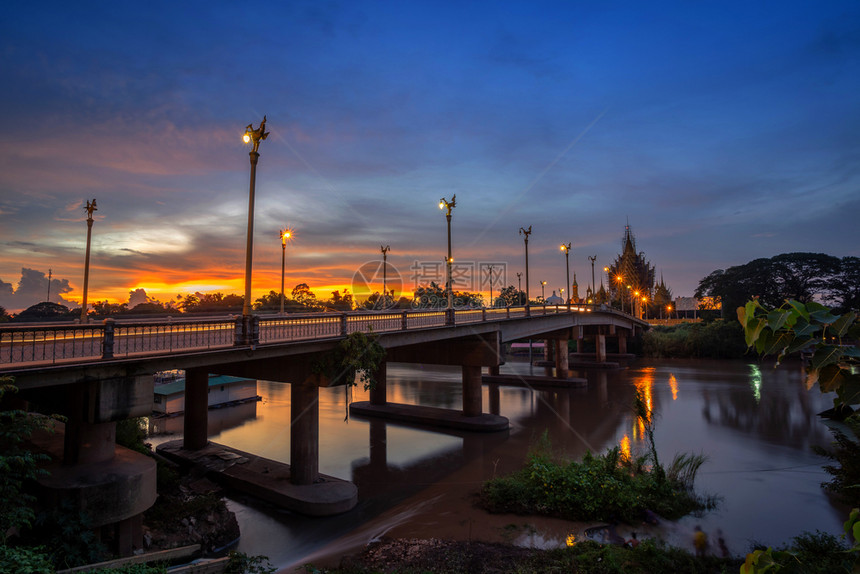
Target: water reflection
x,y
756,425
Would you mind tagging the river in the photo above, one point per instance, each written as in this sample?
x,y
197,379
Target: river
x,y
755,423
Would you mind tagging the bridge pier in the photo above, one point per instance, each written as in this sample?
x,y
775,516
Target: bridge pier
x,y
472,391
305,432
622,343
196,422
562,361
112,484
600,340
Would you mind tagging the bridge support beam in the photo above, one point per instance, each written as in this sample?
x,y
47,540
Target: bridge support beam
x,y
305,432
472,391
195,426
622,343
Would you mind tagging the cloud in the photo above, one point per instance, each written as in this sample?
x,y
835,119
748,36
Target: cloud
x,y
32,289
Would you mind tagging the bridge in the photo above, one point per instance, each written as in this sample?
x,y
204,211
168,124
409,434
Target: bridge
x,y
97,374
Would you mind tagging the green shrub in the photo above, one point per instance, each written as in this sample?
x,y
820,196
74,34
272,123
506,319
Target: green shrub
x,y
604,487
716,340
32,560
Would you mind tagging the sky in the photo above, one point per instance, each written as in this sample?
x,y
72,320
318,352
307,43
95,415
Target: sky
x,y
721,131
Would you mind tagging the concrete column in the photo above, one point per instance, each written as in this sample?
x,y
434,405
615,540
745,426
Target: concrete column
x,y
472,400
196,409
561,358
86,442
601,348
580,345
495,398
304,433
622,343
378,394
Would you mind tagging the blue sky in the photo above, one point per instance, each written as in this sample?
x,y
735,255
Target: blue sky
x,y
723,132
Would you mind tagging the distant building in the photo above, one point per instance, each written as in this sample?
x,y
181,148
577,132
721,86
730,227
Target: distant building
x,y
632,282
554,299
169,397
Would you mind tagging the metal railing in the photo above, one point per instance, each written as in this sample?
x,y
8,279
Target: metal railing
x,y
57,344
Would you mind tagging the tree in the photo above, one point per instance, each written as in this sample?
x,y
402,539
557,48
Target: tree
x,y
105,309
845,287
269,302
799,276
4,316
340,302
45,311
303,295
215,302
430,297
511,296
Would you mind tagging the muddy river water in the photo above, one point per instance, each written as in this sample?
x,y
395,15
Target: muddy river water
x,y
756,424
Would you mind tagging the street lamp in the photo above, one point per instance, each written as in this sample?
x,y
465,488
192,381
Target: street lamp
x,y
519,285
566,249
90,208
620,280
592,258
490,277
285,235
525,233
443,205
385,251
254,136
542,294
561,293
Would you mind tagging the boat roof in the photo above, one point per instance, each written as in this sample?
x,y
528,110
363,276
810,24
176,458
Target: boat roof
x,y
178,386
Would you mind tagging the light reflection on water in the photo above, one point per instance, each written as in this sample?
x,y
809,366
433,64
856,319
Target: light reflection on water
x,y
756,425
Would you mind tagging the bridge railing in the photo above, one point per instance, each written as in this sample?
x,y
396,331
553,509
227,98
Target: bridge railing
x,y
137,338
61,343
50,344
299,327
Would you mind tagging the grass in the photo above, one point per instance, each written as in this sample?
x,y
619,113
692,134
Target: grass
x,y
600,487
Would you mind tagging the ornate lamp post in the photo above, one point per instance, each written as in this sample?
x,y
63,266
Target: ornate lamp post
x,y
490,277
90,208
255,136
525,233
542,293
285,235
443,204
519,285
385,251
566,249
592,258
620,280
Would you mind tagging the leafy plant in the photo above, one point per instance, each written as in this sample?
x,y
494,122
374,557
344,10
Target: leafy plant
x,y
358,353
25,559
241,563
17,464
795,327
602,487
